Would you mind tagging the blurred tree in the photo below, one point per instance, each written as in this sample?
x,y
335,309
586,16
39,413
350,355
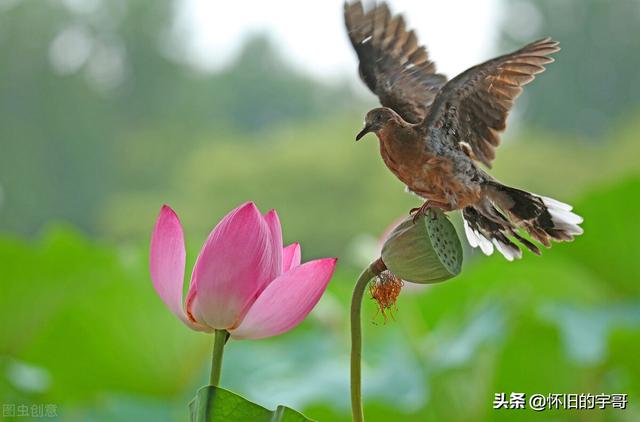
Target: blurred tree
x,y
596,77
259,89
92,103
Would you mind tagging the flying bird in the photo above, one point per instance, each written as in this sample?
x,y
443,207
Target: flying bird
x,y
435,132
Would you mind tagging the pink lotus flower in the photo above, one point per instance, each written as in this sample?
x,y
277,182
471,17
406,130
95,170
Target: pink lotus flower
x,y
243,281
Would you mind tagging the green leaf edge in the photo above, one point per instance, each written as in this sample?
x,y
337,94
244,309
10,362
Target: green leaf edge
x,y
203,408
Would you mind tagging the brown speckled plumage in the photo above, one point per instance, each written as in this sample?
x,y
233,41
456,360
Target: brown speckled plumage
x,y
434,132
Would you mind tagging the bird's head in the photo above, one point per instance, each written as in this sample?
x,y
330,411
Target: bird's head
x,y
376,120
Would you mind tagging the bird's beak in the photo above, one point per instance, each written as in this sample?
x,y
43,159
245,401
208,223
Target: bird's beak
x,y
366,129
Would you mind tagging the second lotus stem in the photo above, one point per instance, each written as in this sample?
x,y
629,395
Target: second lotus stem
x,y
367,275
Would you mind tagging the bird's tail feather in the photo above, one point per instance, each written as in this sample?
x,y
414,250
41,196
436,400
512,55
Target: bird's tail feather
x,y
494,222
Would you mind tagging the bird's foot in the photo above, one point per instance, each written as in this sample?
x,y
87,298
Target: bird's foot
x,y
427,207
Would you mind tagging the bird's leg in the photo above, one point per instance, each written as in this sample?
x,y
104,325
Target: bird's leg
x,y
428,205
422,210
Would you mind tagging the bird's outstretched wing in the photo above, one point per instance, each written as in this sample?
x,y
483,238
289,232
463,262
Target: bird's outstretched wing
x,y
475,104
392,64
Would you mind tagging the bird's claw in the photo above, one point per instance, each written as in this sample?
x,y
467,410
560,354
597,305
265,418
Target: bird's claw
x,y
422,210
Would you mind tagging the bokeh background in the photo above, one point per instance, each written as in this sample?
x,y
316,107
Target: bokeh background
x,y
108,109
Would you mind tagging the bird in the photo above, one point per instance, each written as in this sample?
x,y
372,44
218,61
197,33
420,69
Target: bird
x,y
435,134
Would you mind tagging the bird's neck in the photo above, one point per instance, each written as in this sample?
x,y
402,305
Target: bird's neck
x,y
397,132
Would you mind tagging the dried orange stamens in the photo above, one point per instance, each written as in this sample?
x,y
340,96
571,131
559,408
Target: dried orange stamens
x,y
385,291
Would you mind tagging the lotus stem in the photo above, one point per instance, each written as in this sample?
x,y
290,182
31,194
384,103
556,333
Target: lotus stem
x,y
367,275
219,339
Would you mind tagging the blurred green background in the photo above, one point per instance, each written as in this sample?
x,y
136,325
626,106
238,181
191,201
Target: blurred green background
x,y
100,125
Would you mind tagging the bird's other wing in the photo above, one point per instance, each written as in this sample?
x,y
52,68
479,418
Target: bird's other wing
x,y
392,64
476,103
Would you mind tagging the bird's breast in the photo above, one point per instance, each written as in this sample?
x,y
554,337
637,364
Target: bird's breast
x,y
401,157
404,152
427,174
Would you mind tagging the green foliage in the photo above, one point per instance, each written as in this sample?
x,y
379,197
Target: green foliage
x,y
605,226
214,404
85,318
74,308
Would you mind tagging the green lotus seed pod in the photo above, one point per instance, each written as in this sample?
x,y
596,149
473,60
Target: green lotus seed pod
x,y
427,251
